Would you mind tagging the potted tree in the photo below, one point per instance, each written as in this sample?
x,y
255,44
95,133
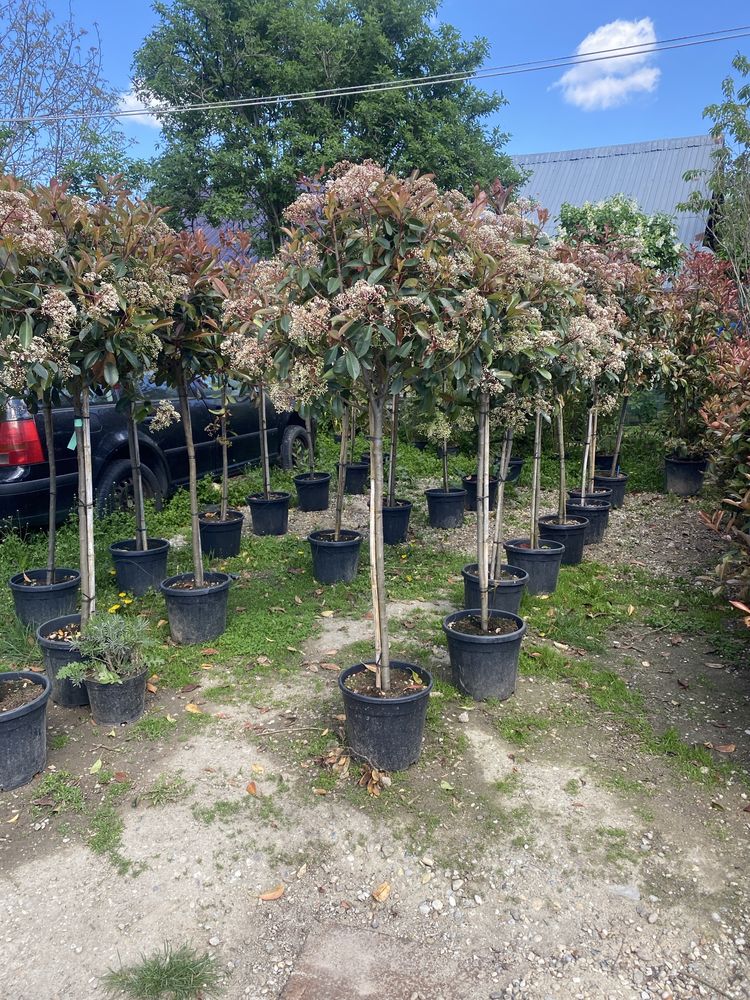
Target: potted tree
x,y
114,667
221,527
396,513
190,346
445,503
377,323
34,322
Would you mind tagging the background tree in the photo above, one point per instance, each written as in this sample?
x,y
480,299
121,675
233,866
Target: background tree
x,y
243,164
49,68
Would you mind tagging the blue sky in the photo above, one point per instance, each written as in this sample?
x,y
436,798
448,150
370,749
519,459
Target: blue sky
x,y
661,96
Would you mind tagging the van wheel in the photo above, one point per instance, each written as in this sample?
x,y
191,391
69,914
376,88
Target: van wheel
x,y
296,448
115,489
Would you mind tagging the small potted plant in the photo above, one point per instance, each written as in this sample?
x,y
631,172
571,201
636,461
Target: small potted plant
x,y
114,667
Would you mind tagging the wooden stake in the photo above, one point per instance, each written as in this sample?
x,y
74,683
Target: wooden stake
x,y
192,478
377,547
620,433
393,453
483,489
223,432
342,474
563,494
592,456
536,481
264,443
49,436
586,449
496,559
86,509
134,448
311,448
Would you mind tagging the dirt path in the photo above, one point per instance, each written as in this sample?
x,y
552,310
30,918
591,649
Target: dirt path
x,y
537,850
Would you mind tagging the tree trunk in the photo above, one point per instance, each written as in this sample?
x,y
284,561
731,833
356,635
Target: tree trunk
x,y
311,449
342,473
49,436
352,434
536,479
134,448
393,454
223,432
192,480
592,456
377,548
586,450
483,507
497,541
620,432
86,509
264,444
563,494
445,466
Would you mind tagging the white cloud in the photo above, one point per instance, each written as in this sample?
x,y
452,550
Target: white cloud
x,y
596,86
129,101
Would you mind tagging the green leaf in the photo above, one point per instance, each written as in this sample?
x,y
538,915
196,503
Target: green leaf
x,y
374,276
26,331
352,364
111,374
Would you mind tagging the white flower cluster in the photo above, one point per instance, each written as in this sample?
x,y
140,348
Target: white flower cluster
x,y
362,301
303,385
248,355
22,228
60,312
164,415
311,321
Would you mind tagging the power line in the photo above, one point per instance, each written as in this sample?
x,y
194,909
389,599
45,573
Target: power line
x,y
511,69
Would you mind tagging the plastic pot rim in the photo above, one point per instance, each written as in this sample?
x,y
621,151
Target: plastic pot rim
x,y
312,477
439,492
367,699
258,498
26,675
400,505
520,575
47,643
46,588
155,546
523,545
552,521
181,593
492,640
356,537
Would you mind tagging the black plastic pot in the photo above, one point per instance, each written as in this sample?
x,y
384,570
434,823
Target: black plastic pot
x,y
515,467
270,517
197,614
221,539
684,476
484,666
542,564
596,513
335,562
604,463
56,655
396,522
23,734
617,485
470,485
386,732
357,477
446,510
138,571
504,595
572,535
312,490
116,704
39,603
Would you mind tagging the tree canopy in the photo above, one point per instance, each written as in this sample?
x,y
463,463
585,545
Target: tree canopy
x,y
244,163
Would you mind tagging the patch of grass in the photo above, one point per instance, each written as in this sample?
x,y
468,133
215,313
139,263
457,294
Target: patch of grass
x,y
105,837
572,787
167,788
58,741
222,810
152,727
509,785
605,688
520,728
170,974
615,842
63,789
18,646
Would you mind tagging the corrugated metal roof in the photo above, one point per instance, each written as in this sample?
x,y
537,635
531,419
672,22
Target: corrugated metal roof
x,y
650,172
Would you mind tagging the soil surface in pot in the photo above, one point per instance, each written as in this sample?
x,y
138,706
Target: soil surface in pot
x,y
192,585
539,547
401,683
472,625
330,536
58,578
561,524
68,633
16,694
214,515
271,496
311,477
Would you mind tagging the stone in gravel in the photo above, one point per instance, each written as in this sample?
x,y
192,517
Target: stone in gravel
x,y
214,941
653,917
463,717
437,904
626,891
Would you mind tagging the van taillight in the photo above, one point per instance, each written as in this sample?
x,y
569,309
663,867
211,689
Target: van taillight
x,y
20,443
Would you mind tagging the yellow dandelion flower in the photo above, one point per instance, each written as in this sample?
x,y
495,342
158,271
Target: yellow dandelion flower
x,y
128,600
115,607
122,594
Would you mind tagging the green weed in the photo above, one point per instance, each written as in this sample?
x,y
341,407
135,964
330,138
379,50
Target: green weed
x,y
171,974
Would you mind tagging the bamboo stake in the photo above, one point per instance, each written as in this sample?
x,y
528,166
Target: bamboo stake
x,y
393,453
495,561
483,487
620,433
49,436
342,474
193,478
563,495
377,549
353,434
264,443
134,448
311,448
223,431
446,487
86,509
536,481
586,449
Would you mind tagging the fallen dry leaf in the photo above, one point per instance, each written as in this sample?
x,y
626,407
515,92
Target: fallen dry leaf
x,y
120,776
151,688
257,769
187,688
683,684
252,788
726,748
209,651
329,666
193,708
276,893
320,791
96,766
326,614
382,892
162,621
207,666
13,819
